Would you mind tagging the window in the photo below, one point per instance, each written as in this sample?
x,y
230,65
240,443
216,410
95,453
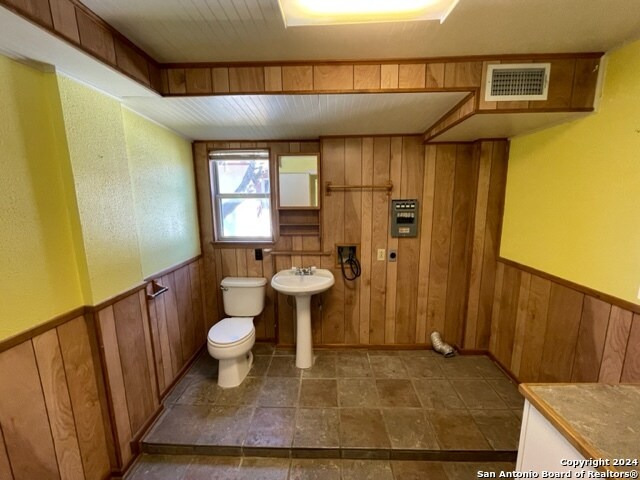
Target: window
x,y
241,193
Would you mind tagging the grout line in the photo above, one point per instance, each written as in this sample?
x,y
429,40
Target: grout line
x,y
382,409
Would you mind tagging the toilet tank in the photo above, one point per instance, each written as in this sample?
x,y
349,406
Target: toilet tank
x,y
243,296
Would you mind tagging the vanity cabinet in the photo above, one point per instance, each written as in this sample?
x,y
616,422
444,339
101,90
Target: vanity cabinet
x,y
542,447
593,423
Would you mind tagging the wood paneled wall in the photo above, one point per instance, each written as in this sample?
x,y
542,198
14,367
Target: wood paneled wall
x,y
76,24
177,320
220,262
410,75
546,330
76,393
572,82
53,420
572,87
125,341
462,111
485,243
460,189
401,302
146,344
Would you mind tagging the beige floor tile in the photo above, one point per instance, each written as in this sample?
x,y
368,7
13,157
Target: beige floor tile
x,y
279,392
419,470
437,394
357,392
318,393
501,428
387,366
213,468
256,468
456,430
362,428
409,429
271,427
397,393
366,470
477,394
284,366
317,428
315,469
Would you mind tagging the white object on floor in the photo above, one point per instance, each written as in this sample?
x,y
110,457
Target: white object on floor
x,y
231,339
291,282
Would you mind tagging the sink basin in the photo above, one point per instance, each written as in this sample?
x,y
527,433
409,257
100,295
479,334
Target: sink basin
x,y
287,282
302,287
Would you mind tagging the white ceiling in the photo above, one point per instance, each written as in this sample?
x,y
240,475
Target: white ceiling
x,y
505,125
22,40
253,117
184,30
241,117
246,30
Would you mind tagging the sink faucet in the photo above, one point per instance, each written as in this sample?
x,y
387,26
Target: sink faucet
x,y
304,270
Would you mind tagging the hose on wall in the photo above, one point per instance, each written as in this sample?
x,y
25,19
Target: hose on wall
x,y
440,346
353,264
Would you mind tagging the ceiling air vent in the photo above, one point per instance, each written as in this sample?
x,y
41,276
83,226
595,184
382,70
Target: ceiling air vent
x,y
523,81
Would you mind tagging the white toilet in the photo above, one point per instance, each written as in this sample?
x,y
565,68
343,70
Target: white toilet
x,y
230,340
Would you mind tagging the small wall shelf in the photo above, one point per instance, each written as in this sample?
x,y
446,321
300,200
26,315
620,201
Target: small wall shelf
x,y
299,222
329,187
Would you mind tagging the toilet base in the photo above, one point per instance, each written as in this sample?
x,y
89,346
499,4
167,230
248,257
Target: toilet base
x,y
232,371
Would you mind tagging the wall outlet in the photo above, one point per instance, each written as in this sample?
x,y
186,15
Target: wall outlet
x,y
382,254
638,293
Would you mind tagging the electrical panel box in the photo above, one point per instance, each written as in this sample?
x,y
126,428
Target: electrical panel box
x,y
404,218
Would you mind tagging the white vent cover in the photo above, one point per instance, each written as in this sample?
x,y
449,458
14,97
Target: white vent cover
x,y
517,81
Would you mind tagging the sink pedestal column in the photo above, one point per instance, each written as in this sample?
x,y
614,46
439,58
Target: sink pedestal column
x,y
304,345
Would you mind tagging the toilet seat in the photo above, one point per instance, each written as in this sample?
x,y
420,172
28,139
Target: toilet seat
x,y
230,332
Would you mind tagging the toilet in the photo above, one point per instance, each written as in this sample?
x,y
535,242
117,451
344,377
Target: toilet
x,y
230,340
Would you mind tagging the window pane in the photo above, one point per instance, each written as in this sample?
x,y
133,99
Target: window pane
x,y
246,217
242,176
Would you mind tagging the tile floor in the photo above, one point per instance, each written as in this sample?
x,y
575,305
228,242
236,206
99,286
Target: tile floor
x,y
167,467
389,405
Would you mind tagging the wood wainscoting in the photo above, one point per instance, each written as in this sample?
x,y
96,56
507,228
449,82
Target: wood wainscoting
x,y
53,418
126,347
177,319
545,329
146,344
77,392
445,272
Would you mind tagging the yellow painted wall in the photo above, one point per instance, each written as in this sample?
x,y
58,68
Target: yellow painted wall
x,y
92,197
162,177
38,266
298,163
572,205
98,154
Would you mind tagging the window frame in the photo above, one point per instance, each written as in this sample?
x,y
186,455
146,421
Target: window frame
x,y
216,201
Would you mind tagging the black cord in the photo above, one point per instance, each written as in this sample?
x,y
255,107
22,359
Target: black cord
x,y
354,265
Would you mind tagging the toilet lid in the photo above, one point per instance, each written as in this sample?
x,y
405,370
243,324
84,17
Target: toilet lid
x,y
231,330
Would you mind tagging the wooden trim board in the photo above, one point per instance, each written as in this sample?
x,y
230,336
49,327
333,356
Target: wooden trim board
x,y
575,286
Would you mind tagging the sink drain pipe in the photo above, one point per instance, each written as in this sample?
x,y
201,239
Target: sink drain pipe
x,y
440,346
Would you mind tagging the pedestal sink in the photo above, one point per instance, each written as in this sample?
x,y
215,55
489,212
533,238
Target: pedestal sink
x,y
302,286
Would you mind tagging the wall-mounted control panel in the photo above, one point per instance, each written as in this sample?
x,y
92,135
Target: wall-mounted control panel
x,y
404,218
